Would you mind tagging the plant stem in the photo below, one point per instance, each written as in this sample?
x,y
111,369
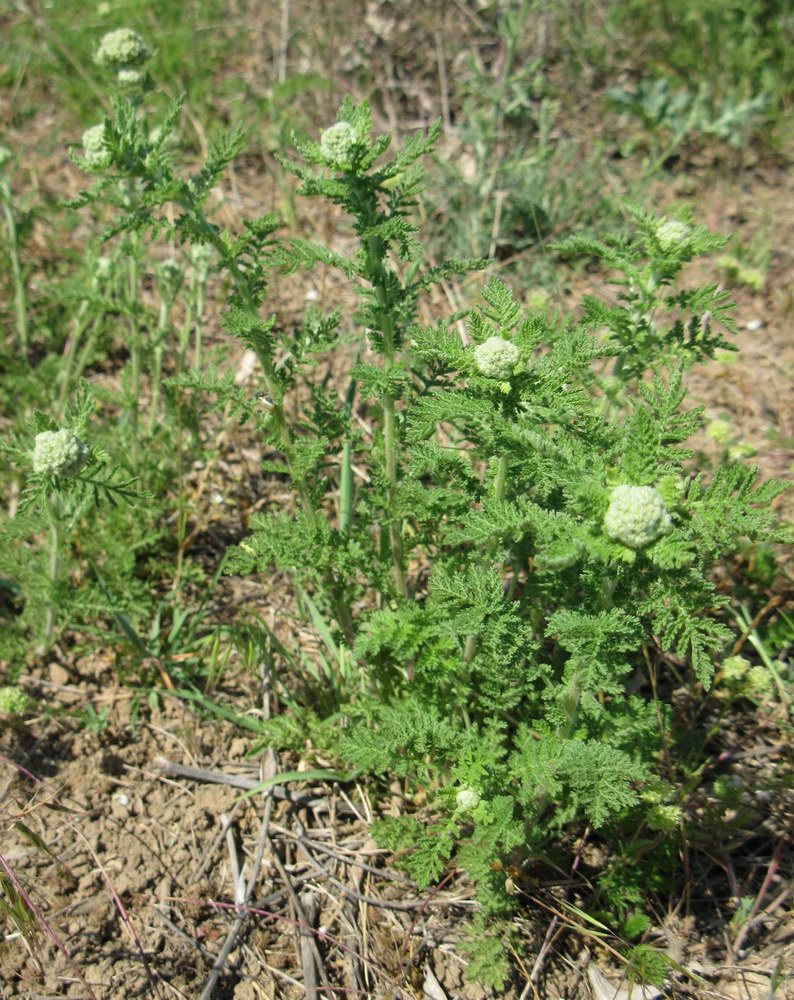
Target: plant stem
x,y
346,470
53,567
378,280
20,304
162,330
500,481
199,312
499,488
134,387
273,387
70,353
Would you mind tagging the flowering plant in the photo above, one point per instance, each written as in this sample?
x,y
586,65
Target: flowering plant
x,y
525,541
493,517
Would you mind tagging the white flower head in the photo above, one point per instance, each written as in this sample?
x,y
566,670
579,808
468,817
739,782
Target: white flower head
x,y
497,358
672,234
127,77
337,144
122,47
94,151
170,274
103,268
13,701
759,680
467,799
734,668
637,516
58,453
171,269
201,255
664,818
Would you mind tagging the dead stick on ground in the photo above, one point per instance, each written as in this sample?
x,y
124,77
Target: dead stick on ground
x,y
268,769
310,910
242,913
300,917
238,781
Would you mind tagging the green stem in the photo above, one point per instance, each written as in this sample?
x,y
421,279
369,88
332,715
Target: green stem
x,y
20,303
162,330
499,489
53,567
378,280
500,482
346,470
134,388
69,367
199,312
241,286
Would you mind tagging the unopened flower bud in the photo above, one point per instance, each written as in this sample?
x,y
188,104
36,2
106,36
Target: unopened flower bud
x,y
201,255
103,268
637,516
538,298
664,818
337,144
122,47
94,150
128,77
497,357
734,668
719,429
467,799
58,453
759,680
13,701
672,234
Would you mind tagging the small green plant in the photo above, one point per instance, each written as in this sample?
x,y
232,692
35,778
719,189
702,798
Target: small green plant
x,y
65,479
95,722
743,83
672,117
747,264
654,319
14,701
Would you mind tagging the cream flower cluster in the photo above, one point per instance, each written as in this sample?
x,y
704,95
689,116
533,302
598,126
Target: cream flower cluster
x,y
497,357
13,701
672,234
93,147
467,799
337,143
129,77
122,48
637,516
58,453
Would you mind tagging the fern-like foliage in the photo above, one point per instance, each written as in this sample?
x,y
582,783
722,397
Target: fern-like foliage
x,y
459,507
648,261
52,504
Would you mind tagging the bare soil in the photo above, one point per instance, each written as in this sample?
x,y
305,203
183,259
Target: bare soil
x,y
129,866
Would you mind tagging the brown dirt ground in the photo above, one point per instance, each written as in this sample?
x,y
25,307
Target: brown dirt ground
x,y
130,867
136,880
